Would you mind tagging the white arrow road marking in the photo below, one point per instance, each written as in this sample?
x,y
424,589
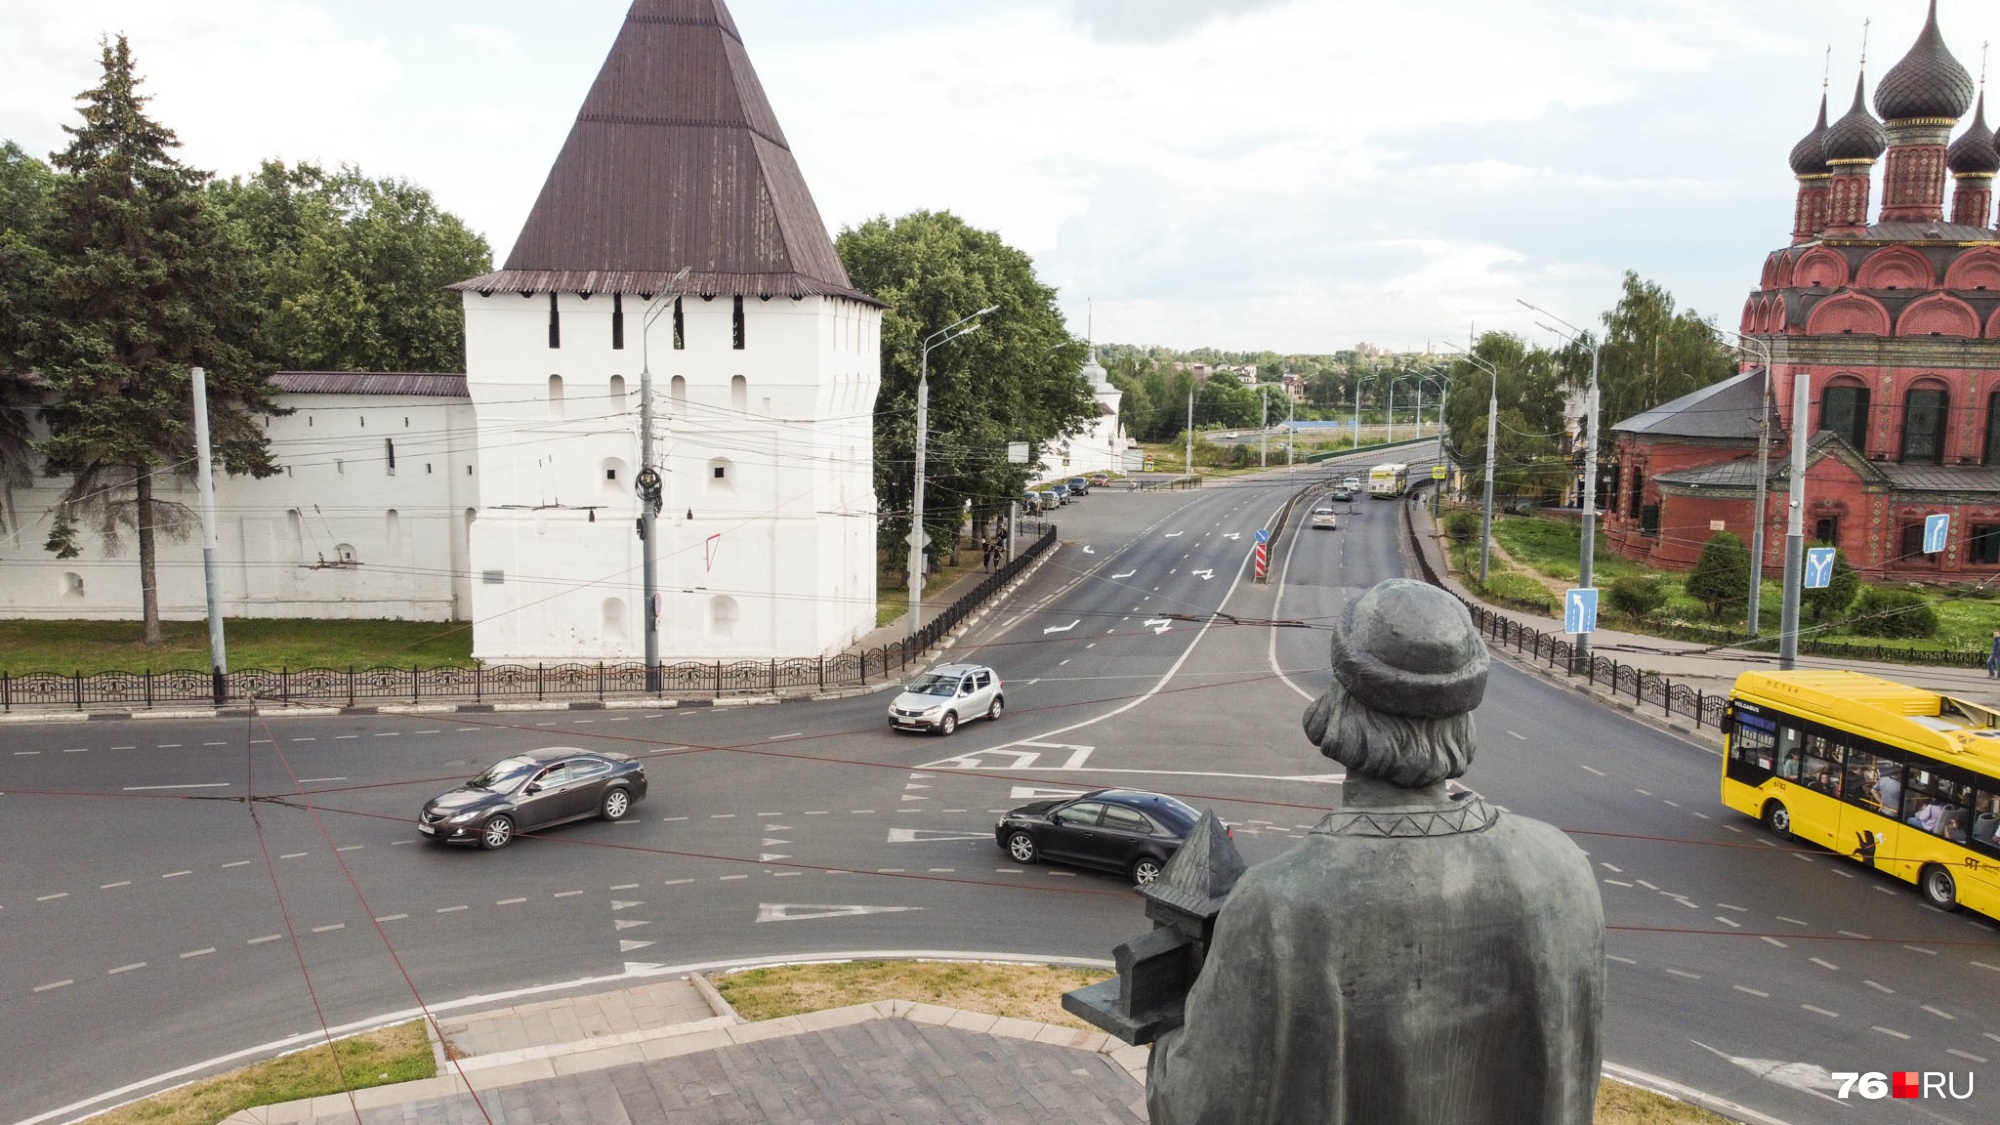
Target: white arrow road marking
x,y
1232,535
1204,575
629,946
1159,625
1087,550
795,911
616,905
1078,755
979,759
771,857
771,841
1062,628
1173,535
628,923
1030,793
1127,574
932,835
1805,1077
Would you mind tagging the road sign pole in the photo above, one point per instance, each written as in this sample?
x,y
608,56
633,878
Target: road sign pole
x,y
1795,517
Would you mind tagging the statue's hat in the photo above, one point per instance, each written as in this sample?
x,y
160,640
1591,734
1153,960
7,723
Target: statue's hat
x,y
1406,648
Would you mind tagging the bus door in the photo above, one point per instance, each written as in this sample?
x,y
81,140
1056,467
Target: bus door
x,y
1871,796
1809,775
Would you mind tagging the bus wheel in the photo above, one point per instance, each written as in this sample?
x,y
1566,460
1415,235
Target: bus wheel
x,y
1939,888
1778,819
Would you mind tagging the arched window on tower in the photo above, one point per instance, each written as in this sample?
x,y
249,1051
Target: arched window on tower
x,y
739,394
617,394
678,391
1925,409
555,396
1844,410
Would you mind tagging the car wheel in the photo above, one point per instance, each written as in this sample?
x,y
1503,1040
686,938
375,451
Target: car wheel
x,y
617,802
949,723
1022,847
1145,869
1940,889
1778,819
498,833
999,705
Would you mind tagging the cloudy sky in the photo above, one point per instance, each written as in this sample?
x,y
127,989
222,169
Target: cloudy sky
x,y
1290,174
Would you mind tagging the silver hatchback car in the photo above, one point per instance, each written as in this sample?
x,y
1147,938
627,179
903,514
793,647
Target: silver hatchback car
x,y
946,696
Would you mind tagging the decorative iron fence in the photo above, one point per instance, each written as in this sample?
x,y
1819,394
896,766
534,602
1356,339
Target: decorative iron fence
x,y
353,686
1645,689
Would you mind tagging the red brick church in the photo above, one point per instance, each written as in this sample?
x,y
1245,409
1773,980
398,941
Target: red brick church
x,y
1895,323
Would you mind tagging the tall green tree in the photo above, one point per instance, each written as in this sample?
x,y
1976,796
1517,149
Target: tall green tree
x,y
1720,577
1651,354
25,188
1016,379
350,271
143,284
1526,447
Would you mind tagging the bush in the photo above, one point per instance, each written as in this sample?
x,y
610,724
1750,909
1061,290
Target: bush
x,y
1461,527
1885,611
1721,574
1636,595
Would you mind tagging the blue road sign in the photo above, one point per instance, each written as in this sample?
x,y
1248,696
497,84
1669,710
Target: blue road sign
x,y
1580,611
1263,535
1937,529
1819,567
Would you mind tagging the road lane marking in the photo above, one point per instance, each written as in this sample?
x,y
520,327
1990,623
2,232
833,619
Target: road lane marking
x,y
204,785
262,940
1824,964
1598,772
1751,991
238,863
450,909
175,874
293,855
1963,1055
1938,1012
1776,942
1878,987
108,886
126,968
329,929
54,984
1684,973
392,917
197,953
1821,1011
58,894
311,780
565,894
509,901
1888,1031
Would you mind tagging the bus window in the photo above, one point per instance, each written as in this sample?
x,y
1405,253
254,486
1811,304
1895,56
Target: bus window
x,y
1824,761
1751,748
1874,781
1986,815
1938,803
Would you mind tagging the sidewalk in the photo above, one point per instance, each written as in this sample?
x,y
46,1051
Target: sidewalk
x,y
673,1051
1697,665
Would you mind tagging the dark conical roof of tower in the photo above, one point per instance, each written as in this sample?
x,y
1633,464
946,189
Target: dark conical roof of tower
x,y
675,161
1928,82
1974,151
1857,136
1809,155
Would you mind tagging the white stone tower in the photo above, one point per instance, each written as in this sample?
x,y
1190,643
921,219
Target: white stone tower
x,y
765,363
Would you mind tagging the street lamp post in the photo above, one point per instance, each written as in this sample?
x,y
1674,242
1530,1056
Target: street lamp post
x,y
1589,549
1762,352
649,482
918,540
1492,429
1358,380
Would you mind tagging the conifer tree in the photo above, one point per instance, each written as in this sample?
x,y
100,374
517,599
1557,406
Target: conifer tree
x,y
142,285
1721,574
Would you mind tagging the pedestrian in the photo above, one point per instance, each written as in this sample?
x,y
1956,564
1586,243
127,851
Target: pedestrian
x,y
1993,658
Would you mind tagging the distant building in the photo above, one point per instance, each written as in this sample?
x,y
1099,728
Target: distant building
x,y
1101,448
1895,326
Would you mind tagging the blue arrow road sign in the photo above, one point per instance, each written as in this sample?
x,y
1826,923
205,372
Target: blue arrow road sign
x,y
1819,567
1263,535
1580,611
1937,529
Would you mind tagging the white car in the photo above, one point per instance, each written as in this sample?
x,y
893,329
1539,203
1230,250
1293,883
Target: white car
x,y
1351,484
1324,517
947,695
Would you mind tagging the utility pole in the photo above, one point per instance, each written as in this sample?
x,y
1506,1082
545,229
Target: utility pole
x,y
1291,428
1263,430
918,540
1190,428
1492,429
1588,499
204,480
1795,524
1759,517
649,484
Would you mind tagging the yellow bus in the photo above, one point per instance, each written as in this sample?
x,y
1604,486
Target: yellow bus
x,y
1896,777
1386,482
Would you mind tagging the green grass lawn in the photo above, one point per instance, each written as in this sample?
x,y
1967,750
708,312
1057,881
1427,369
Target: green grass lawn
x,y
253,642
892,593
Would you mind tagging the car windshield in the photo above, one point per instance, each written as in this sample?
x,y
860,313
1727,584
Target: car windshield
x,y
930,683
503,774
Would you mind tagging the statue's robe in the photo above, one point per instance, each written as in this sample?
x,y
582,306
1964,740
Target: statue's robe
x,y
1420,959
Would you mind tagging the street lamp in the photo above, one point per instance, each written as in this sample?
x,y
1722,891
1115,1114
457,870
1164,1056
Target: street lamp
x,y
1788,622
1492,427
918,540
649,483
1589,549
1358,380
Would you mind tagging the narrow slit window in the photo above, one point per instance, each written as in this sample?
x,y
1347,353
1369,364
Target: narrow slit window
x,y
555,323
680,327
617,321
389,454
736,324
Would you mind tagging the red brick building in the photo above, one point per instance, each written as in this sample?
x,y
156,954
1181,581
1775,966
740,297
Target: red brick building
x,y
1896,326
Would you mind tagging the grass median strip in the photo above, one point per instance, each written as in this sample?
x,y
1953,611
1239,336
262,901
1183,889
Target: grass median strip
x,y
377,1058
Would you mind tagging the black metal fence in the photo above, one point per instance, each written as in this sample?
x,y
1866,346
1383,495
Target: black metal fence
x,y
1645,689
353,686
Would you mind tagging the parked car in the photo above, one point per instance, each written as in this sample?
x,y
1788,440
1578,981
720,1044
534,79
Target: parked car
x,y
1100,480
1340,493
1125,830
946,696
532,791
1031,502
1061,493
1078,486
1323,516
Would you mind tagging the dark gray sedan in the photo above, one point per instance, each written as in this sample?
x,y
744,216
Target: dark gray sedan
x,y
532,791
1123,830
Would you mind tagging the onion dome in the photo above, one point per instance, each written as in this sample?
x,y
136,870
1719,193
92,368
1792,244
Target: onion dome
x,y
1927,83
1100,379
1857,136
1809,155
1974,150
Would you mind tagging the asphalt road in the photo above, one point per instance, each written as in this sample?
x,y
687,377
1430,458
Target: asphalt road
x,y
156,919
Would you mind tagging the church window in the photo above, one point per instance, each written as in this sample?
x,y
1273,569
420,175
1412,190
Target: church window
x,y
555,396
721,477
1649,519
555,323
1984,544
1924,413
1827,530
1638,491
680,327
389,454
1911,548
678,391
736,325
1844,410
617,321
739,393
1993,428
618,392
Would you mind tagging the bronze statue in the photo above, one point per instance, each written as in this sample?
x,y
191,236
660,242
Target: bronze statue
x,y
1421,957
